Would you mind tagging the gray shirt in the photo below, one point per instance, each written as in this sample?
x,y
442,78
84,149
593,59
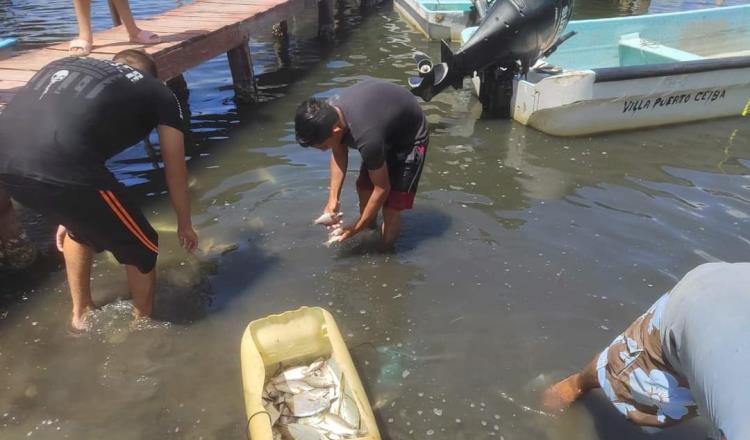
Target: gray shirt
x,y
384,121
705,333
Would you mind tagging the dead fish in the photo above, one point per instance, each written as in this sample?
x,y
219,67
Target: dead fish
x,y
270,391
293,386
311,402
296,373
273,413
329,218
349,412
316,365
337,425
295,431
332,240
321,378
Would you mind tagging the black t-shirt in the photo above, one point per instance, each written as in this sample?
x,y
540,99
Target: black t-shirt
x,y
75,114
384,121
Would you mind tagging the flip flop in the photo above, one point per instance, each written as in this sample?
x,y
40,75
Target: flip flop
x,y
82,47
146,37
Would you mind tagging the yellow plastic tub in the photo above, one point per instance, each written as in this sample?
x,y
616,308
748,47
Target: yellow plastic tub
x,y
293,338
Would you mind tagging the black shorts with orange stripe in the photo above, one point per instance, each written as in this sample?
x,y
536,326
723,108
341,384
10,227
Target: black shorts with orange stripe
x,y
103,219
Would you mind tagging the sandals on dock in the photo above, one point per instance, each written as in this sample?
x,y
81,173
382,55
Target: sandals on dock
x,y
146,37
81,48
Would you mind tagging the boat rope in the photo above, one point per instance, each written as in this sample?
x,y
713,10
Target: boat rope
x,y
746,110
249,419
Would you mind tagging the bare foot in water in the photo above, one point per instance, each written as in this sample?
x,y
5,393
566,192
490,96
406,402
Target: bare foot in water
x,y
561,395
81,323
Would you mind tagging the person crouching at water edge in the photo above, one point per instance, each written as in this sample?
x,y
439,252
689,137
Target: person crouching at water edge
x,y
386,125
687,354
56,135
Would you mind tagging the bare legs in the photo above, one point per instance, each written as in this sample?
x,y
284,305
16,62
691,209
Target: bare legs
x,y
78,267
391,228
83,15
391,221
142,290
561,395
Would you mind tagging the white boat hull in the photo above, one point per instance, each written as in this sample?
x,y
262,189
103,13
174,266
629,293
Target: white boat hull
x,y
573,104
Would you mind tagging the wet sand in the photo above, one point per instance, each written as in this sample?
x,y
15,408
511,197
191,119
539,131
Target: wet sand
x,y
524,256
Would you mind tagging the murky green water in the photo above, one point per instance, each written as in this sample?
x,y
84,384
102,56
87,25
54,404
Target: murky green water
x,y
524,256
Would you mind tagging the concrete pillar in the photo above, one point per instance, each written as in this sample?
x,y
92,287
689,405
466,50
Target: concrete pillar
x,y
326,24
241,65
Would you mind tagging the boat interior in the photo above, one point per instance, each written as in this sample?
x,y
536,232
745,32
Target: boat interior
x,y
653,39
656,39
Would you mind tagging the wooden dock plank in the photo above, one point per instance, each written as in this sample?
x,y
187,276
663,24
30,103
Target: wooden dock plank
x,y
16,75
191,35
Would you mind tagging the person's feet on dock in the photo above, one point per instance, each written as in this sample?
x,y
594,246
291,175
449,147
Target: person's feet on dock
x,y
82,45
145,37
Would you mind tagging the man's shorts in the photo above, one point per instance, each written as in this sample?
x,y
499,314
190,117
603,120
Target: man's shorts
x,y
637,378
103,219
403,174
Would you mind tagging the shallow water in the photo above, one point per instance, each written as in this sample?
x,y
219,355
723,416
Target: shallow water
x,y
524,256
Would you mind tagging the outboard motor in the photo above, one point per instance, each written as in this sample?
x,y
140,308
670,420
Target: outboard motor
x,y
512,36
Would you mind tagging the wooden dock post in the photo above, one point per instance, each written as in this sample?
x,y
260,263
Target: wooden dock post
x,y
116,20
241,65
326,31
281,43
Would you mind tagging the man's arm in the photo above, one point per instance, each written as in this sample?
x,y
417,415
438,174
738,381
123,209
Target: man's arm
x,y
381,188
173,153
339,164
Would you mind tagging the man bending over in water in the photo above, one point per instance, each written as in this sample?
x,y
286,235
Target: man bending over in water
x,y
688,354
56,135
386,125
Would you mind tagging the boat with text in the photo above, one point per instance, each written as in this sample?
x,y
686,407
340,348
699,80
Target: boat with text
x,y
605,74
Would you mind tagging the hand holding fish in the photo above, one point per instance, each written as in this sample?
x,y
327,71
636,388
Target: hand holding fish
x,y
334,234
329,218
344,232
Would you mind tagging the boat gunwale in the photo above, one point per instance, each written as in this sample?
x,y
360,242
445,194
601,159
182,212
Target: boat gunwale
x,y
658,15
622,73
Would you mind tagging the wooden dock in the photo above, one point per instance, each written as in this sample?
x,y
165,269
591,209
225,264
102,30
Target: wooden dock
x,y
190,34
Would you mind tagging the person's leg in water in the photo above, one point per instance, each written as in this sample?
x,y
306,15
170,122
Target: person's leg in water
x,y
141,290
78,268
391,228
364,192
561,395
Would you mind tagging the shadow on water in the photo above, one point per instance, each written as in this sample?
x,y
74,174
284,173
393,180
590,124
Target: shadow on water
x,y
417,226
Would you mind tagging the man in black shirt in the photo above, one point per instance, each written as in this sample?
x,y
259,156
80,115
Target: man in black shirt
x,y
56,135
386,125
